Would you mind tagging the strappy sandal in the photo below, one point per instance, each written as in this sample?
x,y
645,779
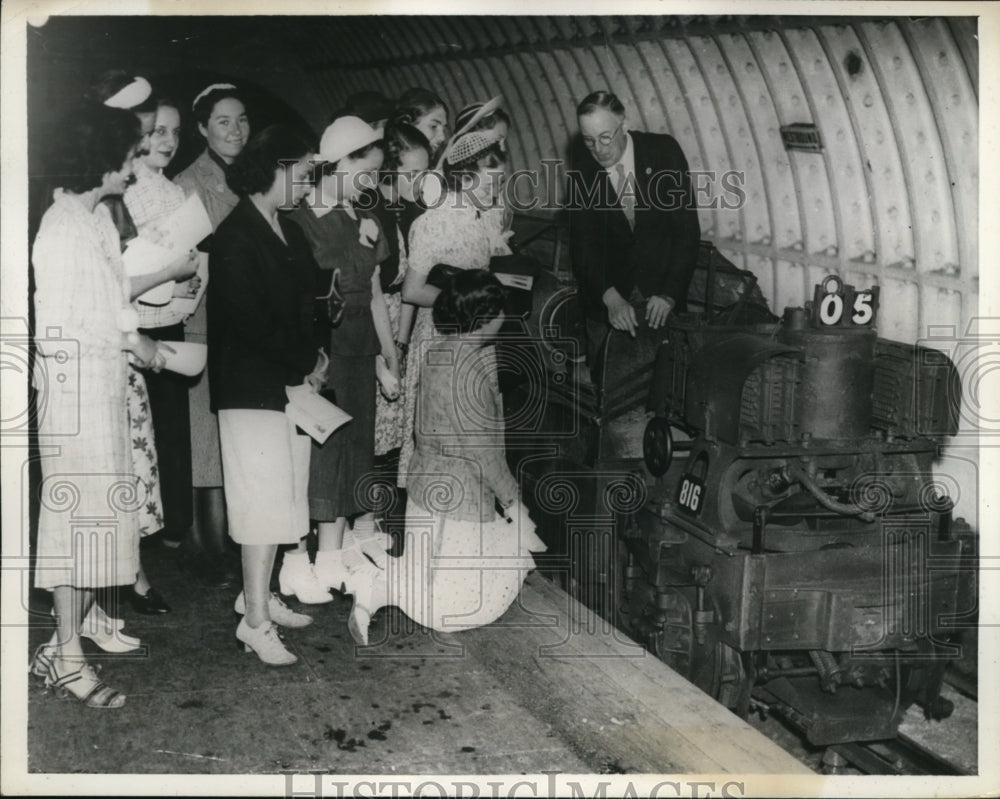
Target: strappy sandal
x,y
41,662
84,685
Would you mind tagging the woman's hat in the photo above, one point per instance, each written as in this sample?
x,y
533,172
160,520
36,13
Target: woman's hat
x,y
468,145
479,111
473,112
345,135
132,95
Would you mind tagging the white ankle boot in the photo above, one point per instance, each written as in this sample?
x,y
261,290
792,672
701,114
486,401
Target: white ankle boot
x,y
335,567
298,578
279,612
266,642
363,537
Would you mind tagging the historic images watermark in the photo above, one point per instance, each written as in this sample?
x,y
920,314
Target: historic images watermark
x,y
537,190
320,784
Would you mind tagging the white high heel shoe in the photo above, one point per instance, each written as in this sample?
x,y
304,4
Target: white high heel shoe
x,y
298,578
279,612
266,642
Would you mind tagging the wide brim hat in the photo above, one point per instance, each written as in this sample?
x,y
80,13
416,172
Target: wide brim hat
x,y
483,110
479,111
345,135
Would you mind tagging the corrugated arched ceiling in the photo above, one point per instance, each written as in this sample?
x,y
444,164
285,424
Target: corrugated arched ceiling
x,y
889,198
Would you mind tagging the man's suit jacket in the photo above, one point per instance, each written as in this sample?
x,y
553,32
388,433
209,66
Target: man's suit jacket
x,y
656,257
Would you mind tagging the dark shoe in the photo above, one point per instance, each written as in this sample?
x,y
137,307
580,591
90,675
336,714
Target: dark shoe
x,y
149,604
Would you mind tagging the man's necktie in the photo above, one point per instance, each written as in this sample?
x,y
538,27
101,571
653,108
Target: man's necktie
x,y
627,199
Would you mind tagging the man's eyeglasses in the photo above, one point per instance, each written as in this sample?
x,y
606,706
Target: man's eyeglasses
x,y
604,139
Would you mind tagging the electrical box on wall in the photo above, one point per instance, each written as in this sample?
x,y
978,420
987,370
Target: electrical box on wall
x,y
801,136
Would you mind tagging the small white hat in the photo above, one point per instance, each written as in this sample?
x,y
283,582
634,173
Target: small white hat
x,y
345,135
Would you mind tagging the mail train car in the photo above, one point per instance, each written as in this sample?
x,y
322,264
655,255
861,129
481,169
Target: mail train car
x,y
785,543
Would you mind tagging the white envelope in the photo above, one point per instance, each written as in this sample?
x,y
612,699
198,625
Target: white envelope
x,y
317,416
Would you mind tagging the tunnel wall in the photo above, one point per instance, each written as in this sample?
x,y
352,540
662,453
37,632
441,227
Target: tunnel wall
x,y
890,199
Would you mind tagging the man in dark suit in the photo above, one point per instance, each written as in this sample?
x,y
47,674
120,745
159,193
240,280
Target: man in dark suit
x,y
633,224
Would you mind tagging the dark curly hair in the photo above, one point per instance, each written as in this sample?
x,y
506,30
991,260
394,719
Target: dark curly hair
x,y
93,141
470,299
399,138
203,108
253,170
490,158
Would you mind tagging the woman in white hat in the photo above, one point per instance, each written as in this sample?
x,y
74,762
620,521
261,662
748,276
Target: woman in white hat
x,y
455,230
348,243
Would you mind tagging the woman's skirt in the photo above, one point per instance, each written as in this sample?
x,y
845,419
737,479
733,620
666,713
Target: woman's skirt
x,y
266,467
342,470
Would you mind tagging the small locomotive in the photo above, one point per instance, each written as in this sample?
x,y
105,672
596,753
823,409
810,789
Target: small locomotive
x,y
784,543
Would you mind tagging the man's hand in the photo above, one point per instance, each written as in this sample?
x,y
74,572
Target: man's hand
x,y
658,308
620,313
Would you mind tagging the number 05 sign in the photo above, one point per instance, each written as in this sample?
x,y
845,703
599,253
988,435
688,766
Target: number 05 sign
x,y
838,305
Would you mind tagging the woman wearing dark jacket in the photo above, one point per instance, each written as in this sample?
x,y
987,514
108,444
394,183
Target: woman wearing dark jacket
x,y
260,341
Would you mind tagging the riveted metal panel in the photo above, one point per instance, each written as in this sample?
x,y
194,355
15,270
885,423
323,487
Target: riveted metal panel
x,y
879,146
777,188
841,158
686,131
964,31
955,109
541,106
898,319
781,74
750,218
712,154
935,234
653,64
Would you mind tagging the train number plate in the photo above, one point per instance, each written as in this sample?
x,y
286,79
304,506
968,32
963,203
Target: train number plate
x,y
691,495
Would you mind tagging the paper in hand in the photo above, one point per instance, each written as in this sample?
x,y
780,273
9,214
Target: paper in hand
x,y
317,416
179,232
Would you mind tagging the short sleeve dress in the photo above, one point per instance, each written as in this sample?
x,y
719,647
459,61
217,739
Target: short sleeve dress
x,y
453,232
88,527
396,219
341,468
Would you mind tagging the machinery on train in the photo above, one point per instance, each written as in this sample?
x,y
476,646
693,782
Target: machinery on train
x,y
782,542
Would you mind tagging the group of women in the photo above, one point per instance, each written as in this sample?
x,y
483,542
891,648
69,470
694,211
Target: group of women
x,y
327,267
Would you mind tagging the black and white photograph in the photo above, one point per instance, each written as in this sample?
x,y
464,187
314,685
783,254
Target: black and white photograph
x,y
499,400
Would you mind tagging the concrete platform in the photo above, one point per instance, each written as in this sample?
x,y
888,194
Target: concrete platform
x,y
548,688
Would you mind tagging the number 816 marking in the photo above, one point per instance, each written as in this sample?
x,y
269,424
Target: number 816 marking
x,y
690,495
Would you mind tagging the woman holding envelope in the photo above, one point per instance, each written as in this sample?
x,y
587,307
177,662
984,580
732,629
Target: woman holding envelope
x,y
151,199
120,89
82,291
349,245
260,341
